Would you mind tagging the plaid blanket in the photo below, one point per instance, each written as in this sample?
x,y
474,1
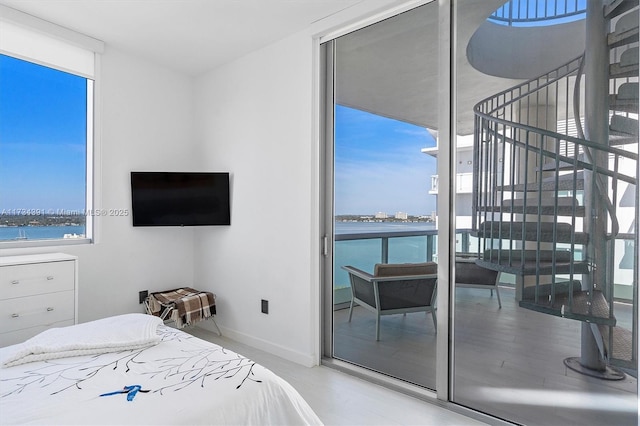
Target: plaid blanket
x,y
189,305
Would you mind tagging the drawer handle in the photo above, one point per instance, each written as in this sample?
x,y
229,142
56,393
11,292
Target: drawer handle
x,y
49,277
49,309
15,282
15,315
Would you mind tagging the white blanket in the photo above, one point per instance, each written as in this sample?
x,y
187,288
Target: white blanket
x,y
180,381
113,334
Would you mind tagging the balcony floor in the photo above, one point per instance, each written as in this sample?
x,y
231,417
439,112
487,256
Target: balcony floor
x,y
509,361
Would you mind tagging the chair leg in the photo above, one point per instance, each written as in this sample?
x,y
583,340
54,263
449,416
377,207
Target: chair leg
x,y
435,321
350,310
498,294
377,327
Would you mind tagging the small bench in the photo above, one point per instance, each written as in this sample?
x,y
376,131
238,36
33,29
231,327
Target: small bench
x,y
184,306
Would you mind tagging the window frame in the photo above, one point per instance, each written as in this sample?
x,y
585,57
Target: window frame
x,y
59,36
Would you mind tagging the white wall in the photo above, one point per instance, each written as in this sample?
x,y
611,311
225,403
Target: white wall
x,y
146,125
256,118
255,121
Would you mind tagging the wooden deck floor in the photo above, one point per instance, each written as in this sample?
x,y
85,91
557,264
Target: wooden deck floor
x,y
508,362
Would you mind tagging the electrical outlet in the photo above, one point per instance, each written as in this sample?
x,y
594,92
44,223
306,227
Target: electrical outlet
x,y
142,295
265,306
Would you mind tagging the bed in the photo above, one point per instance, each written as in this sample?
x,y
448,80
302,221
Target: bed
x,y
132,369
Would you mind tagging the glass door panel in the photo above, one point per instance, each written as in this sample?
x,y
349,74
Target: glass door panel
x,y
385,131
560,345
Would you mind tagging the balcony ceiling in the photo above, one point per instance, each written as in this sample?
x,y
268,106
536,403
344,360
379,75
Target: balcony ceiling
x,y
405,48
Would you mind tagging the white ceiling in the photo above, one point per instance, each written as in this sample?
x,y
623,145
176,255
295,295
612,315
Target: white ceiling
x,y
191,36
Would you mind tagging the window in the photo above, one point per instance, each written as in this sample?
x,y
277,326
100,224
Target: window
x,y
46,135
43,151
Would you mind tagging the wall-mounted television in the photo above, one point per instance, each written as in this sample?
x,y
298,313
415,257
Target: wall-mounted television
x,y
180,198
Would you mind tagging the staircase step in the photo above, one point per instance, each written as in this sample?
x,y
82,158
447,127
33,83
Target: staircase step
x,y
628,65
622,124
618,7
566,206
621,353
623,130
580,305
623,104
562,165
617,139
628,92
565,183
626,30
514,231
512,262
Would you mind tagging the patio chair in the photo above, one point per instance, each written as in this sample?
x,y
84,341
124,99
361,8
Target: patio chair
x,y
394,289
471,275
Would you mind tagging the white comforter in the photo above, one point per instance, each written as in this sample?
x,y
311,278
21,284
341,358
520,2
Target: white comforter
x,y
181,380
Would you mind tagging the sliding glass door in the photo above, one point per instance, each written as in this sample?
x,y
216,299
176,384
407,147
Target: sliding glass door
x,y
497,140
384,162
553,204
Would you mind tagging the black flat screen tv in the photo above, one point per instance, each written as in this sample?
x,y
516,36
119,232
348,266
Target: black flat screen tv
x,y
180,198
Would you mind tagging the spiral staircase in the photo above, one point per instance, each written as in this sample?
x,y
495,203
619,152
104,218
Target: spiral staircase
x,y
555,189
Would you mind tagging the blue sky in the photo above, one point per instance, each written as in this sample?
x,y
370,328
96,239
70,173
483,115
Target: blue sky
x,y
379,166
42,137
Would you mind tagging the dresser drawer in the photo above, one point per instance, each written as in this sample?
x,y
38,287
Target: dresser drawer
x,y
19,336
38,278
44,309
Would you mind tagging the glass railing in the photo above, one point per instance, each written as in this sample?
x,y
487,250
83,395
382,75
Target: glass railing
x,y
364,250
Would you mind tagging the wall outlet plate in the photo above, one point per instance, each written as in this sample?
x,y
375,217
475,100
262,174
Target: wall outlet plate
x,y
142,295
265,306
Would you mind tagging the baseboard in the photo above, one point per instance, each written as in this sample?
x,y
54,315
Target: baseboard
x,y
307,360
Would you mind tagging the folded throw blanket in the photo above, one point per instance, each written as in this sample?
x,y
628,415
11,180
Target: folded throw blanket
x,y
112,334
188,305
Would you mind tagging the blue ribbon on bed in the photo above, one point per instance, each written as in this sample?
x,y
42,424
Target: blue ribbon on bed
x,y
131,391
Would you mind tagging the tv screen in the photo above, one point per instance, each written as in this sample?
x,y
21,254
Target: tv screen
x,y
180,199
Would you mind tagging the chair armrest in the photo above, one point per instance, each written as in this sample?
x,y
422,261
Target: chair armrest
x,y
370,278
358,273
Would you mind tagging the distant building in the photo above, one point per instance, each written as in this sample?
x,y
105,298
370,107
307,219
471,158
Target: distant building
x,y
402,215
381,215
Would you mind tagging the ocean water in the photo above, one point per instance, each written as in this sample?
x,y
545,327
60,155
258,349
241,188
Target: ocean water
x,y
364,254
38,232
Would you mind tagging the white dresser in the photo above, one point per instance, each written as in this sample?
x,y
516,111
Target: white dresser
x,y
36,292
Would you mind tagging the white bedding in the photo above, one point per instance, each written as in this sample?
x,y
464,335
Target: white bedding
x,y
129,331
183,380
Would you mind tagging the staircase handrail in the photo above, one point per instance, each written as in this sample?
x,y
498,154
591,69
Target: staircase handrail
x,y
596,169
571,67
600,185
488,109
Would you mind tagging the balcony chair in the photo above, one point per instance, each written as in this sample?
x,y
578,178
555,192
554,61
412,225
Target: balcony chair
x,y
470,275
394,289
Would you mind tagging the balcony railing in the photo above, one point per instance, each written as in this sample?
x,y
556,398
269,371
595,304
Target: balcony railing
x,y
390,247
539,12
370,248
